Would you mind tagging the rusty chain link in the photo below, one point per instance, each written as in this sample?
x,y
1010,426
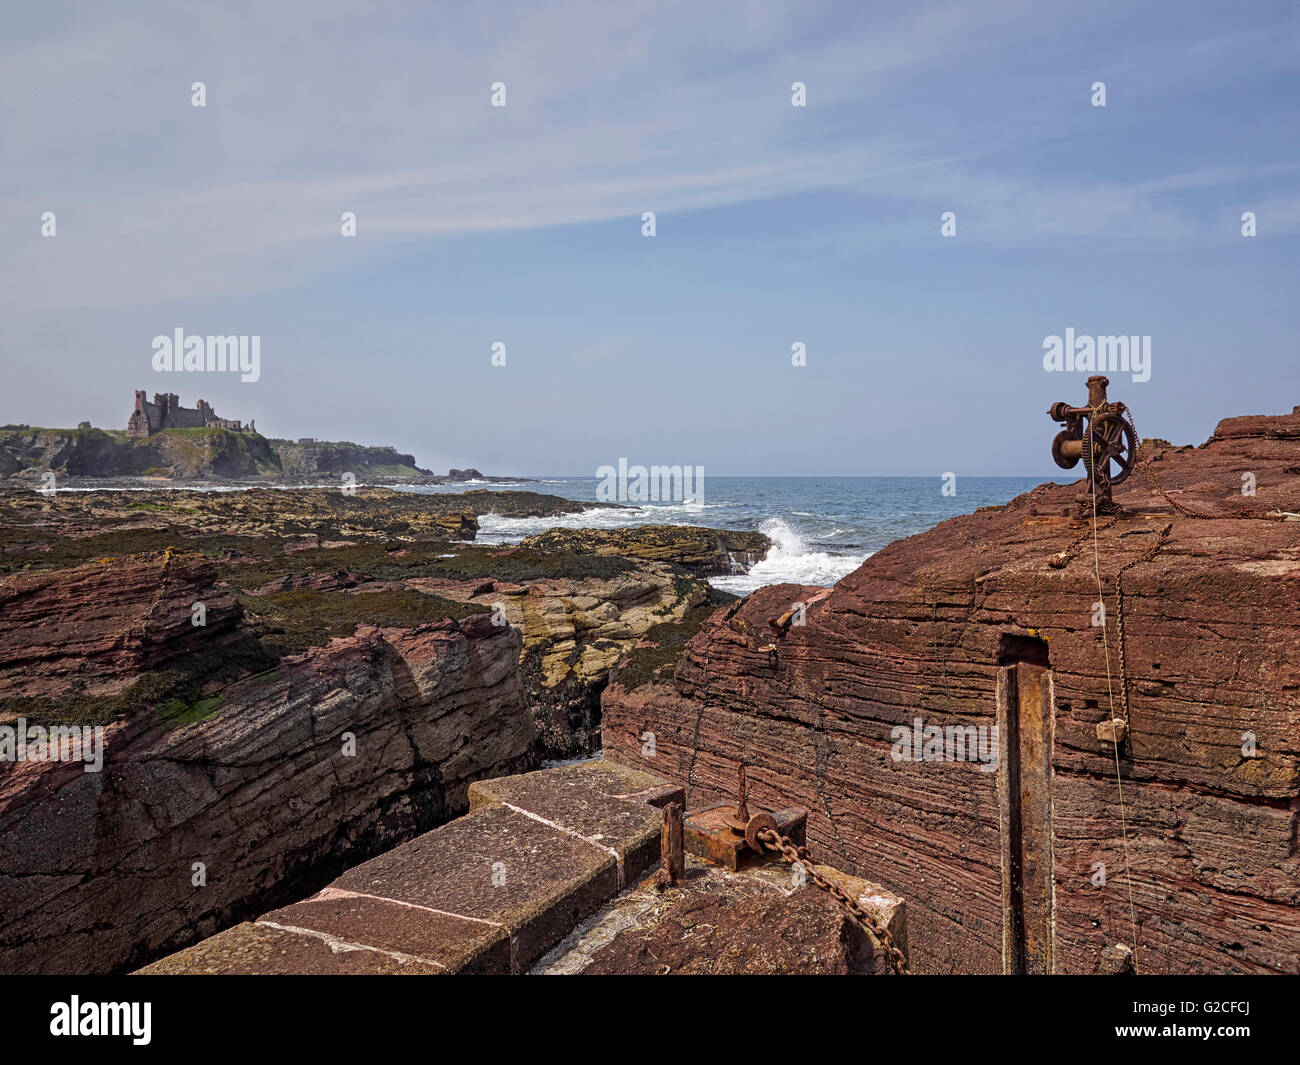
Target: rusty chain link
x,y
1144,467
1146,556
1063,558
864,918
1243,513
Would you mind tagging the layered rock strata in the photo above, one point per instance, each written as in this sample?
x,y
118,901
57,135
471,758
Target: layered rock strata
x,y
288,682
1195,650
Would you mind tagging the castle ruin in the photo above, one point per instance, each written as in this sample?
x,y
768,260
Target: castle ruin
x,y
166,412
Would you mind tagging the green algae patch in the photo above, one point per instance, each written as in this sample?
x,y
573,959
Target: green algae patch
x,y
183,712
33,550
523,565
291,622
175,694
666,642
393,560
43,550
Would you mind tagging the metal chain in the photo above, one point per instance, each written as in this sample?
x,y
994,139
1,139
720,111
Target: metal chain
x,y
1147,556
1241,513
865,919
1063,559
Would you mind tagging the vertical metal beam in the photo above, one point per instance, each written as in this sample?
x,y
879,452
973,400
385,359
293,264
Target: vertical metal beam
x,y
672,855
1026,720
1013,932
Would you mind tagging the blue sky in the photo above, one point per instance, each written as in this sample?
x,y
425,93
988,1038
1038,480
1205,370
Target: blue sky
x,y
775,224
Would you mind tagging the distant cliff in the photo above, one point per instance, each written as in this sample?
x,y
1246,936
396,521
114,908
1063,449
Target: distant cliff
x,y
304,459
26,453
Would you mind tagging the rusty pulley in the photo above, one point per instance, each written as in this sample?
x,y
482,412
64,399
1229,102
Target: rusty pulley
x,y
750,825
1100,435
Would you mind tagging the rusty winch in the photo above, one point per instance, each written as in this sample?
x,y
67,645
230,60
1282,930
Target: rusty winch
x,y
1100,434
723,833
726,835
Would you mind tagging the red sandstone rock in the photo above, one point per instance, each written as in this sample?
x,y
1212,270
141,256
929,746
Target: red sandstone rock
x,y
104,621
96,868
804,934
1262,426
1212,653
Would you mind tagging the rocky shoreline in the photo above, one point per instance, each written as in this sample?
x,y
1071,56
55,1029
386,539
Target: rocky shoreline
x,y
361,661
1177,628
231,645
87,457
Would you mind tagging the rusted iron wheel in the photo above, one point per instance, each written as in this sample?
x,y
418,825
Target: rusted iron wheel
x,y
1112,440
761,821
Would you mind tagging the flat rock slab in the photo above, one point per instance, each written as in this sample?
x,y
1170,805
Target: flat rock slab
x,y
713,934
251,949
490,892
449,942
496,865
610,806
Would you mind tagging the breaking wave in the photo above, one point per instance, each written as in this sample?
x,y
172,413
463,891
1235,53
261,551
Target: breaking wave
x,y
790,560
494,529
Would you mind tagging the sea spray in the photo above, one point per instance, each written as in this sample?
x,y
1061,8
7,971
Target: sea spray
x,y
828,525
790,560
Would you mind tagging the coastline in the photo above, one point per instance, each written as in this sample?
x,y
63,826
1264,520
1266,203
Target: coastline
x,y
196,626
821,528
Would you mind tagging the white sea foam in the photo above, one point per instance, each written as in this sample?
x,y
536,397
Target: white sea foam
x,y
453,487
790,561
495,529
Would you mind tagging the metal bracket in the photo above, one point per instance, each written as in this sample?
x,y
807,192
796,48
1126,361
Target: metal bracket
x,y
723,832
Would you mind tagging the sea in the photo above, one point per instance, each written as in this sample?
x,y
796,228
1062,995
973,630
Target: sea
x,y
821,528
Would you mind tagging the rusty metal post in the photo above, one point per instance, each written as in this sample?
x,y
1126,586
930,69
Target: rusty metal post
x,y
672,855
742,793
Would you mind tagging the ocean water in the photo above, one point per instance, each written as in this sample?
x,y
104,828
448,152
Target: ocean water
x,y
821,528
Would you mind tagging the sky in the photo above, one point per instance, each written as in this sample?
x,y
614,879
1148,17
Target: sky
x,y
775,225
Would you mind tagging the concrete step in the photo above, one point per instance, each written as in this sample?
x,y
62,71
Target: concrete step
x,y
490,892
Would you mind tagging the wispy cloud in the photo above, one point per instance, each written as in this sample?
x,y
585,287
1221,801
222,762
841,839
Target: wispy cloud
x,y
319,108
383,115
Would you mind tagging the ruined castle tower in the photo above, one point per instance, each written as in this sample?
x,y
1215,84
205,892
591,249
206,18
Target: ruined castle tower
x,y
166,412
